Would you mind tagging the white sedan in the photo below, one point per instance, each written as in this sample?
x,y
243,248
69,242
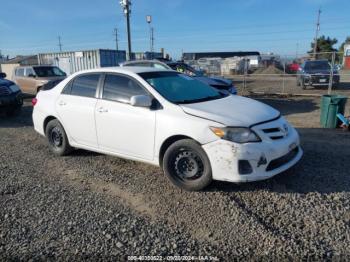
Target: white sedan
x,y
194,132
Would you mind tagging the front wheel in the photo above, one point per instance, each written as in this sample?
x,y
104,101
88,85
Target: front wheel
x,y
187,166
57,138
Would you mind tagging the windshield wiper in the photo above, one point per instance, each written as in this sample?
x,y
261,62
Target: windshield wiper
x,y
198,100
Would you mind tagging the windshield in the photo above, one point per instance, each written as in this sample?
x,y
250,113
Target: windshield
x,y
317,65
48,71
179,88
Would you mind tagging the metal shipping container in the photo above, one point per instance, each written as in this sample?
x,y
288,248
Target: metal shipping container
x,y
71,62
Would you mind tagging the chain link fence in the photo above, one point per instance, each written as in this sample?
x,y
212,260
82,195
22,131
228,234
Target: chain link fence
x,y
297,74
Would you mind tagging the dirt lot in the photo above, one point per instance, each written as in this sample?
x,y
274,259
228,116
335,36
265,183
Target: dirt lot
x,y
274,84
92,206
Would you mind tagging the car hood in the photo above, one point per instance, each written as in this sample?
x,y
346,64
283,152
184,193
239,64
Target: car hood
x,y
232,111
215,81
5,82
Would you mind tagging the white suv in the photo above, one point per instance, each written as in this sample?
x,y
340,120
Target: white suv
x,y
193,131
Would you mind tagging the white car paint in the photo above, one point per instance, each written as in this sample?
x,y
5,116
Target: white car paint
x,y
138,133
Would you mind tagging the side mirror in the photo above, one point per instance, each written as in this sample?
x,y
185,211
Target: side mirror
x,y
2,75
141,101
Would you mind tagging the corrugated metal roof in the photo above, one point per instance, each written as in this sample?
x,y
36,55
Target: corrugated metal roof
x,y
22,59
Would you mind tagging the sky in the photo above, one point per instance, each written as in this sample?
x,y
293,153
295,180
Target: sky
x,y
278,26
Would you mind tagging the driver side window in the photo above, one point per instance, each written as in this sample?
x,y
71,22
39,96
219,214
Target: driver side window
x,y
121,88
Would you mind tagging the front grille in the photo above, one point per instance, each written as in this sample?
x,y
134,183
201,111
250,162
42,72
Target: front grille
x,y
276,133
276,137
317,79
4,90
271,130
278,162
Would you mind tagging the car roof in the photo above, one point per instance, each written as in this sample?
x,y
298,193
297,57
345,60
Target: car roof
x,y
141,61
126,63
125,69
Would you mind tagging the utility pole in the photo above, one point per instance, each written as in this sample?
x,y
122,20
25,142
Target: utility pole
x,y
317,31
59,43
151,32
152,39
126,7
116,38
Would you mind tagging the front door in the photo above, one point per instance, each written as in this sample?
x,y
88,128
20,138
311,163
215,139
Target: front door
x,y
121,127
76,108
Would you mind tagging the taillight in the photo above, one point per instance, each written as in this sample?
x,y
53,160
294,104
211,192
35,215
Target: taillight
x,y
34,101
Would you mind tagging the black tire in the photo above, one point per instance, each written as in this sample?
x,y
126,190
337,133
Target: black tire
x,y
57,138
302,84
298,82
187,165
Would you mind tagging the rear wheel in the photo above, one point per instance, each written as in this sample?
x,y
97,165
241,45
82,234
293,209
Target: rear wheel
x,y
187,166
57,138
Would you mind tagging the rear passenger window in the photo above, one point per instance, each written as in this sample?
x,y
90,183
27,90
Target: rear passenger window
x,y
85,85
121,88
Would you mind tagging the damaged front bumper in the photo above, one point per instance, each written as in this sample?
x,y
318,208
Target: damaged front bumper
x,y
277,152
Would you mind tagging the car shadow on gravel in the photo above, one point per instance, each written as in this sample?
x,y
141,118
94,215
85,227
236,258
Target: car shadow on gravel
x,y
83,153
323,169
24,119
290,106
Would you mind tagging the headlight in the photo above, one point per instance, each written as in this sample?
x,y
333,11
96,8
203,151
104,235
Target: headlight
x,y
14,88
236,134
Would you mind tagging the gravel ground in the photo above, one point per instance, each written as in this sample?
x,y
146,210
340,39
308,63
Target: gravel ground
x,y
275,84
91,206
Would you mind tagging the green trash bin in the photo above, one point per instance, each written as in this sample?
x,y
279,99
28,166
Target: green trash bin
x,y
331,105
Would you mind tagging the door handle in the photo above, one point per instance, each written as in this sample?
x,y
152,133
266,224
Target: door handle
x,y
62,103
102,110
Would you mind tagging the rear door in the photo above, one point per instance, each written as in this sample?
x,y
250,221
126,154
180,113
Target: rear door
x,y
121,127
76,107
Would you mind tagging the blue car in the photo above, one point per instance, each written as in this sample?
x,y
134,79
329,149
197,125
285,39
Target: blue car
x,y
11,99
